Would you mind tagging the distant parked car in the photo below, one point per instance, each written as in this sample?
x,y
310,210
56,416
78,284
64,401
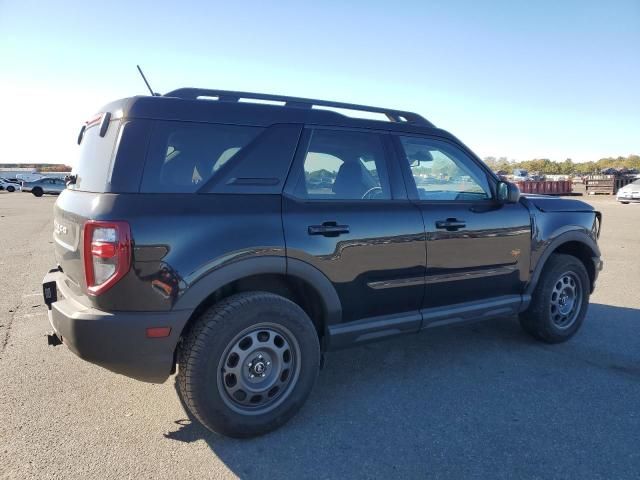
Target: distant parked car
x,y
520,175
629,193
8,185
44,185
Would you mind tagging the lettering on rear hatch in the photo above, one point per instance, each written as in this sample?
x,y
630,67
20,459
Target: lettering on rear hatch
x,y
64,236
59,228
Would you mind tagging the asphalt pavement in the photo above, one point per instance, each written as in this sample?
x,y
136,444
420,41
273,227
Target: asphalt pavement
x,y
474,401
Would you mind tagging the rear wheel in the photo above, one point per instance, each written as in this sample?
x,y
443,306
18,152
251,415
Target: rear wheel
x,y
248,364
11,189
560,300
37,191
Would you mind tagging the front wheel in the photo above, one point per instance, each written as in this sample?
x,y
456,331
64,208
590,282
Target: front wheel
x,y
11,189
248,364
37,192
560,301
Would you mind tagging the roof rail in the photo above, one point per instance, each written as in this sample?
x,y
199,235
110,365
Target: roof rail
x,y
306,103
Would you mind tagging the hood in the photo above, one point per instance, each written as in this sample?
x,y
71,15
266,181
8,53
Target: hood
x,y
554,204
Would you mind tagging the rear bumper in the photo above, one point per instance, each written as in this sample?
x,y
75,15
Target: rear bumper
x,y
116,341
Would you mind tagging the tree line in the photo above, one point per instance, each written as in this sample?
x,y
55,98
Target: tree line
x,y
566,167
42,167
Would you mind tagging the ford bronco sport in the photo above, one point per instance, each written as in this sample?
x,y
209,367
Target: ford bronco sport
x,y
235,237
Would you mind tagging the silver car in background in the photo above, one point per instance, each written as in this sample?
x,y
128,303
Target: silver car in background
x,y
629,193
8,185
44,185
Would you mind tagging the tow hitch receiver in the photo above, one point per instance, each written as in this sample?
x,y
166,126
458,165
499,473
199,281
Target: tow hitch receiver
x,y
53,340
50,293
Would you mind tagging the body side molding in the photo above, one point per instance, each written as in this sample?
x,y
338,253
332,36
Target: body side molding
x,y
474,311
381,327
374,328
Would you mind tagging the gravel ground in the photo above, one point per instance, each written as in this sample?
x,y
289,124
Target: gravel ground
x,y
475,401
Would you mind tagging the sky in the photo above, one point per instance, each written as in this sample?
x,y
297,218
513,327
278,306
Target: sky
x,y
520,79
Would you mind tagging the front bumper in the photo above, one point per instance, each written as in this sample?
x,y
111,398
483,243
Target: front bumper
x,y
628,199
116,340
598,266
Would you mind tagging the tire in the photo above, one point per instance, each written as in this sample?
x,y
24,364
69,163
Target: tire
x,y
37,192
216,362
11,189
560,300
625,203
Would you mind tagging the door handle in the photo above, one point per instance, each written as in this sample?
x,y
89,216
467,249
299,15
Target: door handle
x,y
450,224
328,229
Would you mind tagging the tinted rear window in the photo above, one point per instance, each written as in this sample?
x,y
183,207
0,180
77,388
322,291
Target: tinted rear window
x,y
93,166
183,156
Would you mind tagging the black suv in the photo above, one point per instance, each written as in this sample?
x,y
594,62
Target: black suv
x,y
238,236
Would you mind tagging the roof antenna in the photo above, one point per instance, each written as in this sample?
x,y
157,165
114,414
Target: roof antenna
x,y
147,83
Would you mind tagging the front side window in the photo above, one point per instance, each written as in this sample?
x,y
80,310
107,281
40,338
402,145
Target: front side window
x,y
442,171
345,165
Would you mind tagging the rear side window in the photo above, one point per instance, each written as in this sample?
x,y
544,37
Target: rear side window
x,y
183,156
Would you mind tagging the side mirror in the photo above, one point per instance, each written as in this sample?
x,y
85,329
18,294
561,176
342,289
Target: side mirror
x,y
508,192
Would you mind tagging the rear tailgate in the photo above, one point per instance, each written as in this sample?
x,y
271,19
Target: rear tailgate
x,y
78,203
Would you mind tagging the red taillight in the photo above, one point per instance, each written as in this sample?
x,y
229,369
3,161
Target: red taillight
x,y
103,250
107,254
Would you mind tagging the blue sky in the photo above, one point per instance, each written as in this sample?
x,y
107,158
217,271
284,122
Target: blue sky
x,y
552,79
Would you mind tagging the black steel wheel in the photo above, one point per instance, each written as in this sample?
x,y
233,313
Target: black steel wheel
x,y
560,300
566,299
258,368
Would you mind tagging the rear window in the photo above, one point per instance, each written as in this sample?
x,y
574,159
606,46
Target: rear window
x,y
182,157
92,169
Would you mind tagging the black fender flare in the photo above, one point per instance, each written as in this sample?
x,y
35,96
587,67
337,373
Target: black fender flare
x,y
570,236
318,280
200,290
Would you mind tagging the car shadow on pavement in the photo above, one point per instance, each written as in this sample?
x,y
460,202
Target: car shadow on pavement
x,y
477,400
